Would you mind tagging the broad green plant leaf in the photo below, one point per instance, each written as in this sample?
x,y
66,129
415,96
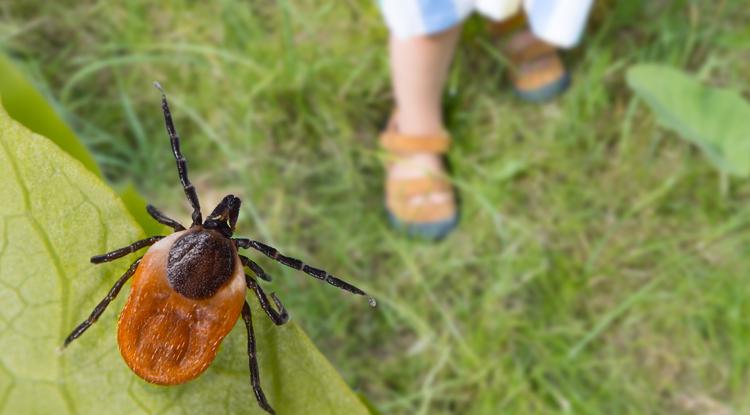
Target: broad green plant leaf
x,y
55,214
27,106
716,120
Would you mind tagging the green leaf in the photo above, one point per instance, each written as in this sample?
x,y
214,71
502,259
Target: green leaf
x,y
55,215
27,106
716,120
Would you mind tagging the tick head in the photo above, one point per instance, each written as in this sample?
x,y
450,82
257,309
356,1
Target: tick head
x,y
224,217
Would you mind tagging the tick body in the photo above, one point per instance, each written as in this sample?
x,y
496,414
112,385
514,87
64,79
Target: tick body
x,y
167,337
189,289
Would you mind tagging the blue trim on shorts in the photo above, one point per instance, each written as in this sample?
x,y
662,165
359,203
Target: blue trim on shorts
x,y
438,15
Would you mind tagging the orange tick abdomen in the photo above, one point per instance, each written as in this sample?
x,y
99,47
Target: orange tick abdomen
x,y
165,337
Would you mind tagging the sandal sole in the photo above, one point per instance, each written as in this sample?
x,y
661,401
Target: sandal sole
x,y
427,230
546,92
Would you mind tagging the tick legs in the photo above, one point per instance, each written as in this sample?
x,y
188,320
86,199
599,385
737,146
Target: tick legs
x,y
257,270
320,274
99,309
119,253
279,318
181,162
163,219
254,375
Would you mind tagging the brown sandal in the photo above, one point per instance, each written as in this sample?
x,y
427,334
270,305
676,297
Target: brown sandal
x,y
431,220
537,72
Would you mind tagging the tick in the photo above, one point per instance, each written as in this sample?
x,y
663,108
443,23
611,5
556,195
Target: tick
x,y
189,289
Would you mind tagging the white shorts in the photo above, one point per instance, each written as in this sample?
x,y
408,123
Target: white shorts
x,y
560,22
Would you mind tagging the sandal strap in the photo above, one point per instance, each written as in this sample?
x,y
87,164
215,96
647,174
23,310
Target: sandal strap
x,y
535,74
404,144
400,191
528,49
404,189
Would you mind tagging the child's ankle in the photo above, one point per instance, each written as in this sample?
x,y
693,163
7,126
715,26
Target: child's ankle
x,y
420,127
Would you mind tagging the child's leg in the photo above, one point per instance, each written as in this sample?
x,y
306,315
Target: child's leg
x,y
419,67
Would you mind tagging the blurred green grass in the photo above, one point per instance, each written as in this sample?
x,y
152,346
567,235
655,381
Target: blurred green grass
x,y
600,265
